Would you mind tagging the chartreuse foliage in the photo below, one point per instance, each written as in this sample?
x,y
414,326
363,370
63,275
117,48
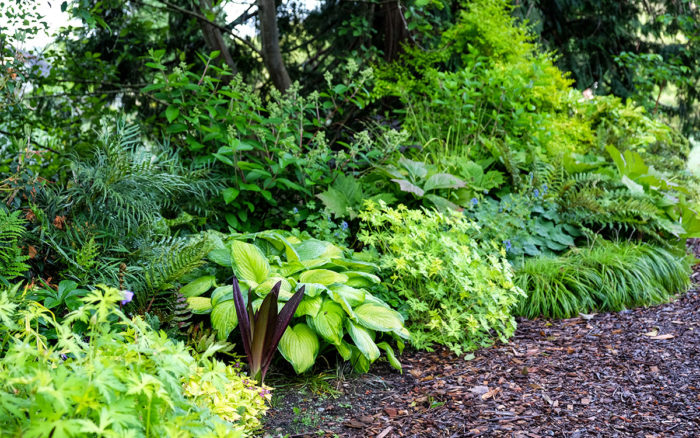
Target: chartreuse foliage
x,y
118,378
604,277
458,291
337,308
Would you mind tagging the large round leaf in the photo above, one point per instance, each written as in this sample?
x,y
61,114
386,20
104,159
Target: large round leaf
x,y
225,293
328,322
363,340
249,263
224,319
197,287
322,276
199,305
299,345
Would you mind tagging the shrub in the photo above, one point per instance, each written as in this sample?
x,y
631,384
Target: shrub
x,y
458,291
338,310
603,277
119,378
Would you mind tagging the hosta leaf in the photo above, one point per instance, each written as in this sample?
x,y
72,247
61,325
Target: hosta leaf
x,y
316,249
199,305
360,363
223,319
197,287
266,286
328,322
249,263
361,279
355,264
379,318
345,350
322,276
309,306
353,296
280,241
299,346
393,361
313,289
224,293
221,257
363,340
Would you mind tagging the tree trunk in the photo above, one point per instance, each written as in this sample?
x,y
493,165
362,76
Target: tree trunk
x,y
214,38
267,14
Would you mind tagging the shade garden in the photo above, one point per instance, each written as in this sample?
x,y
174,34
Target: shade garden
x,y
192,234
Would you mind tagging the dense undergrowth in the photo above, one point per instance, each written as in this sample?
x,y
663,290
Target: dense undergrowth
x,y
491,189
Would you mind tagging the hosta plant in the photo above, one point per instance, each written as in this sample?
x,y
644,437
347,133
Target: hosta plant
x,y
338,309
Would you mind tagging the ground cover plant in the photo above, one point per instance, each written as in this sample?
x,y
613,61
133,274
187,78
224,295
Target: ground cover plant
x,y
348,182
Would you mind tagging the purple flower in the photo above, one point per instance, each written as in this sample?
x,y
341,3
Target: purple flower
x,y
507,244
474,201
537,193
128,296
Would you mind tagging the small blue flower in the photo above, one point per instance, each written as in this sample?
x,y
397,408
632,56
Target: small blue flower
x,y
295,210
532,176
128,296
500,209
544,189
507,244
537,193
336,234
344,225
474,201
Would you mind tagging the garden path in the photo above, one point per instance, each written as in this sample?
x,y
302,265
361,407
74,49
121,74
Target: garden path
x,y
633,373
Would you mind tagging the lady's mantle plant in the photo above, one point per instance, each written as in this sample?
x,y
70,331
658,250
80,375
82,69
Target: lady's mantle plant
x,y
458,291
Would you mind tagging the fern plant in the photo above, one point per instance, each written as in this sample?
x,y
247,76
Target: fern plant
x,y
12,262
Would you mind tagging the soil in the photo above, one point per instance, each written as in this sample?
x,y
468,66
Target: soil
x,y
634,373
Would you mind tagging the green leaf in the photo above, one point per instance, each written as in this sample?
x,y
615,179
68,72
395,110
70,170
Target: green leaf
x,y
407,186
224,319
335,201
199,305
230,194
266,286
328,322
322,276
224,293
309,306
345,350
317,249
363,340
417,169
171,113
355,264
443,181
299,346
249,263
351,295
393,361
221,257
361,279
197,287
379,318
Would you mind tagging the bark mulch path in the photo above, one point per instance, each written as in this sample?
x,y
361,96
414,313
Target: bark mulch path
x,y
634,373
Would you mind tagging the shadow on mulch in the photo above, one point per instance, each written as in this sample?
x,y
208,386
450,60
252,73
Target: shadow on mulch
x,y
633,373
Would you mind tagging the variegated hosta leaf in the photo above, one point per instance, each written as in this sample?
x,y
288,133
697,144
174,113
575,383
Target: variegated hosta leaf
x,y
299,346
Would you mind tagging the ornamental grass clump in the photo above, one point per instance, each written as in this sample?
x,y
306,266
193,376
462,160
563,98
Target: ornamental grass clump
x,y
457,291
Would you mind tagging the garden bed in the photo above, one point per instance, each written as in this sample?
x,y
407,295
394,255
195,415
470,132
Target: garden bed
x,y
633,373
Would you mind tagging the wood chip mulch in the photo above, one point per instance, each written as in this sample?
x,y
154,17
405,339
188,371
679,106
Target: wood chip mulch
x,y
635,373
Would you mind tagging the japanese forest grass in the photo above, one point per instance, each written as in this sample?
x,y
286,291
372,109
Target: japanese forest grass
x,y
606,276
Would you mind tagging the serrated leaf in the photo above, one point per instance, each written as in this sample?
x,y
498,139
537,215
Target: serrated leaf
x,y
223,319
249,263
299,346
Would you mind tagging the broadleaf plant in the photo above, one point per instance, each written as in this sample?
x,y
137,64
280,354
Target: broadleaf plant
x,y
261,331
